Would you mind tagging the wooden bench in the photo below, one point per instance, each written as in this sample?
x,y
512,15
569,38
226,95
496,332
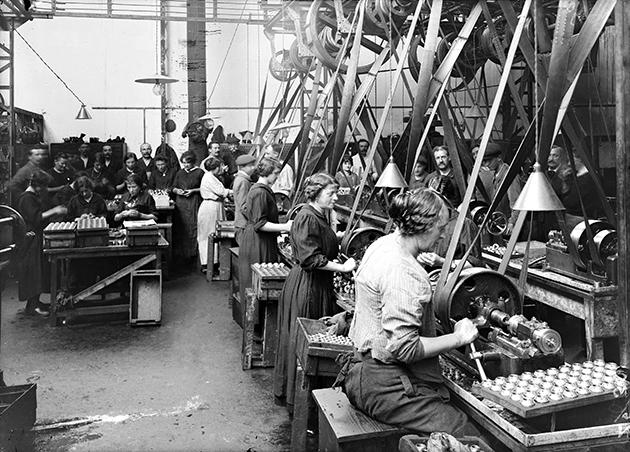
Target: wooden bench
x,y
344,428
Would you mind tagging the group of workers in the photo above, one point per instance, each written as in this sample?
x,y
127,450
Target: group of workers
x,y
394,374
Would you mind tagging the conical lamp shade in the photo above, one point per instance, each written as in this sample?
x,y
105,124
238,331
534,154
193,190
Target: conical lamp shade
x,y
83,113
474,112
391,177
156,79
538,195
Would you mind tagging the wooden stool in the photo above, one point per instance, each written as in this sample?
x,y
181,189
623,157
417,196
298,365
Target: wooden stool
x,y
267,283
224,235
344,428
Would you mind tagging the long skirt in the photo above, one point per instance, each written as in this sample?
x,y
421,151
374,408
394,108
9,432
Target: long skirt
x,y
209,212
30,268
307,294
185,226
255,247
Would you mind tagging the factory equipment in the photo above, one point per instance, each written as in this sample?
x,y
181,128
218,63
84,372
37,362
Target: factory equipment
x,y
595,261
497,223
508,342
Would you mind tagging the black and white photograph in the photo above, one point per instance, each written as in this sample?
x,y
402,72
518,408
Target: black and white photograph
x,y
327,225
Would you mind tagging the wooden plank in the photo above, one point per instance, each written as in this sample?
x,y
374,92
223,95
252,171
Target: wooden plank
x,y
348,423
114,277
247,350
302,400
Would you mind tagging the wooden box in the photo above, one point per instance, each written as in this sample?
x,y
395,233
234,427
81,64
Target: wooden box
x,y
90,239
235,297
316,358
60,240
268,280
145,307
18,405
143,238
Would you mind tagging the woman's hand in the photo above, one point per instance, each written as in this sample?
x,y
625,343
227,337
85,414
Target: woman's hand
x,y
340,234
349,265
430,259
287,226
465,331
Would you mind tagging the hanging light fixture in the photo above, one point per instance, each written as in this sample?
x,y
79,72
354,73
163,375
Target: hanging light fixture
x,y
391,176
158,80
83,111
474,112
537,195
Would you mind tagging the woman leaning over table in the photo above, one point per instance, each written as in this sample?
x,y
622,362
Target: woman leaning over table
x,y
308,290
211,210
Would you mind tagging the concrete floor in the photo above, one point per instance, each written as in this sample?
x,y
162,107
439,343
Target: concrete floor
x,y
177,387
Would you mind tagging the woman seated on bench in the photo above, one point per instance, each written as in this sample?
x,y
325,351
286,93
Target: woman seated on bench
x,y
395,377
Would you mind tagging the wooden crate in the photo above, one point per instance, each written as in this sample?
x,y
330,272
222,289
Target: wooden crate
x,y
316,359
266,356
90,239
411,443
145,307
18,405
268,280
235,297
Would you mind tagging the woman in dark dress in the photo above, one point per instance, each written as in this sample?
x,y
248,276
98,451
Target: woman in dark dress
x,y
259,241
308,290
29,205
187,200
87,201
137,203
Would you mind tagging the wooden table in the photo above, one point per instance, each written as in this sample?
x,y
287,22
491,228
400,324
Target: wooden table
x,y
594,304
60,257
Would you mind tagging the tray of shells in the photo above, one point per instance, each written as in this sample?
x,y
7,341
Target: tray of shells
x,y
91,224
329,339
556,389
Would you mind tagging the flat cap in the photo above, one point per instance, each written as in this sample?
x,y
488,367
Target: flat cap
x,y
245,159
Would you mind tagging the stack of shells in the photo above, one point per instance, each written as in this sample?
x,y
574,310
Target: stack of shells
x,y
343,285
569,381
327,338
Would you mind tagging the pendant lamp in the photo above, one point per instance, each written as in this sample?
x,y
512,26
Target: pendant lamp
x,y
158,80
391,176
538,194
83,113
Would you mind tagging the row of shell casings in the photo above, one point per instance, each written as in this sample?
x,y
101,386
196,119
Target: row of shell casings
x,y
569,381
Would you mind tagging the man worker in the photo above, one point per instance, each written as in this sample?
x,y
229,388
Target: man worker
x,y
442,179
493,161
242,183
84,162
420,176
109,165
20,180
358,160
146,162
60,174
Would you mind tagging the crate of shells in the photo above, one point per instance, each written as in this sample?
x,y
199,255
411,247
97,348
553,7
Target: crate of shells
x,y
317,348
60,234
556,389
92,231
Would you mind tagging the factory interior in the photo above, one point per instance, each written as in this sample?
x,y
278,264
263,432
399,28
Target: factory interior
x,y
328,225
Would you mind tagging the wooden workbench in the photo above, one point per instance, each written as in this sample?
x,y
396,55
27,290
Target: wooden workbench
x,y
60,257
596,305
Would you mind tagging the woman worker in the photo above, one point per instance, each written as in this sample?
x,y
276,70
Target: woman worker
x,y
213,193
308,290
396,377
87,201
259,240
187,200
29,205
137,203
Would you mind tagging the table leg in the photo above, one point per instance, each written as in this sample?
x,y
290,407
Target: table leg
x,y
53,290
250,304
301,409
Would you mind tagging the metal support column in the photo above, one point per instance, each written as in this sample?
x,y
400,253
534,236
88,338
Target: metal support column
x,y
196,55
622,87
